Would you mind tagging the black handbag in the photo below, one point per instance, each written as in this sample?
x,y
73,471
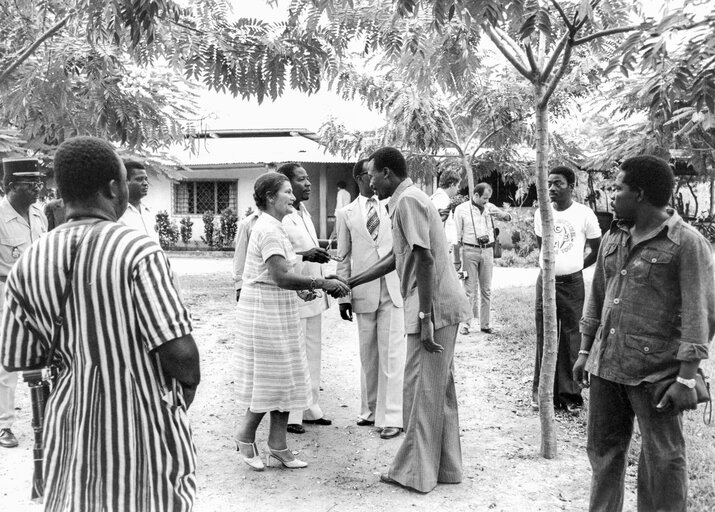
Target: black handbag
x,y
497,243
702,389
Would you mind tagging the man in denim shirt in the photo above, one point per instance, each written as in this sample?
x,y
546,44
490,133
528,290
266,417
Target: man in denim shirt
x,y
650,315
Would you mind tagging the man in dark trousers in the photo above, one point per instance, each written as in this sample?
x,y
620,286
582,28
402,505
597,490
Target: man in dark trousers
x,y
650,316
575,226
434,304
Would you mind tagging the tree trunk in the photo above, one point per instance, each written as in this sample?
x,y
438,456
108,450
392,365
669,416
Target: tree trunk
x,y
548,362
470,176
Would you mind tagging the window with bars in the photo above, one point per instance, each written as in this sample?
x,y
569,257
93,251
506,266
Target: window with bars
x,y
197,197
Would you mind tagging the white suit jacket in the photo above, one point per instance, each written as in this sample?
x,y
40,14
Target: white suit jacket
x,y
360,252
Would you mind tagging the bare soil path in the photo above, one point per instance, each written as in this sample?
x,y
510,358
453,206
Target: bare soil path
x,y
500,434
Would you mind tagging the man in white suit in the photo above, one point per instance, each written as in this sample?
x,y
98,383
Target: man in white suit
x,y
364,237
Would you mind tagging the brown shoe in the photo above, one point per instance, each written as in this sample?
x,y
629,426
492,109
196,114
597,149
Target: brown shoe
x,y
7,438
390,432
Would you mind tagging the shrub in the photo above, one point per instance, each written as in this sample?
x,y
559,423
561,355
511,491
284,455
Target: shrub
x,y
186,229
228,227
209,235
523,237
168,230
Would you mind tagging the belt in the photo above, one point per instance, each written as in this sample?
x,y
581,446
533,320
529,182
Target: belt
x,y
570,278
479,246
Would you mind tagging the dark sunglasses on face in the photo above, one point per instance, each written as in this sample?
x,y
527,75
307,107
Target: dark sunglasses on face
x,y
37,185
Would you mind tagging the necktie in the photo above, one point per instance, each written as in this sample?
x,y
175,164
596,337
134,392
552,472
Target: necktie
x,y
373,221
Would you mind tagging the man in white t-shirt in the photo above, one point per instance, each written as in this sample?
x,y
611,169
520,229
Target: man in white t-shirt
x,y
449,182
575,225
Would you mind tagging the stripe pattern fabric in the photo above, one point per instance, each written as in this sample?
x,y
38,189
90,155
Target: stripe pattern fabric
x,y
373,221
116,434
270,350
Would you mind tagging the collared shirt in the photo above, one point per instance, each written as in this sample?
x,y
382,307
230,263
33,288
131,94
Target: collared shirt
x,y
380,206
243,234
301,232
442,201
114,414
141,219
471,223
651,306
16,234
416,223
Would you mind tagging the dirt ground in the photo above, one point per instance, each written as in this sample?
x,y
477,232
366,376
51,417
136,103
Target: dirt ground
x,y
500,434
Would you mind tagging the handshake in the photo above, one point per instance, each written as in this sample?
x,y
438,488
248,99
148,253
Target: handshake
x,y
333,285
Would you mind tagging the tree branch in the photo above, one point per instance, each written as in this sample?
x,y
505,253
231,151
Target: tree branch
x,y
459,149
509,41
532,60
581,23
555,56
29,51
551,86
492,133
569,26
505,51
604,33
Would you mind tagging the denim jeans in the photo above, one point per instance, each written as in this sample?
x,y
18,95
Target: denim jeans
x,y
662,469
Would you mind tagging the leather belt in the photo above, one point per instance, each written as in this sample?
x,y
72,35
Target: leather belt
x,y
485,246
570,278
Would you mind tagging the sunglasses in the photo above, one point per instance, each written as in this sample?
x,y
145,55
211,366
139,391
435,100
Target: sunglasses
x,y
37,185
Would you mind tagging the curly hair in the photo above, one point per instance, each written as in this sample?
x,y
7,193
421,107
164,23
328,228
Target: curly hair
x,y
267,184
449,178
652,175
566,172
288,170
84,166
132,165
391,158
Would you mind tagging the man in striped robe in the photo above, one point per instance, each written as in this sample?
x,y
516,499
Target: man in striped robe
x,y
116,430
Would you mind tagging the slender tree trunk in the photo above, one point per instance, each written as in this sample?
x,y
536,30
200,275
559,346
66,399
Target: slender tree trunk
x,y
548,362
470,176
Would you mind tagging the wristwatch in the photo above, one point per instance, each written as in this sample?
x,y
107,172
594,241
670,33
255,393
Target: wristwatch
x,y
690,383
426,315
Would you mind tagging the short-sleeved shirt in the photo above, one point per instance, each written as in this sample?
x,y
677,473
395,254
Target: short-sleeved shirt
x,y
472,223
16,234
442,201
141,219
572,227
417,223
268,238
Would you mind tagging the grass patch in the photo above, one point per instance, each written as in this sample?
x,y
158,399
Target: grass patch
x,y
513,310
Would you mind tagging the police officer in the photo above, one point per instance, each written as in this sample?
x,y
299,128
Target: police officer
x,y
21,223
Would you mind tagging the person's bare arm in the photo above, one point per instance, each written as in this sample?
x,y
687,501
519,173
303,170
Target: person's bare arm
x,y
180,360
593,244
381,268
284,278
424,270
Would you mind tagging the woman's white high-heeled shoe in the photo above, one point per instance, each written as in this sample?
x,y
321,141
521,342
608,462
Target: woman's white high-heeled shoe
x,y
254,462
285,457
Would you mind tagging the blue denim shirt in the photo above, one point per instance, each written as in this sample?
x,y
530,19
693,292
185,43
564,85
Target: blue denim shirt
x,y
651,306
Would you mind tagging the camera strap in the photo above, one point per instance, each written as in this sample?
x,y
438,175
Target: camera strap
x,y
60,319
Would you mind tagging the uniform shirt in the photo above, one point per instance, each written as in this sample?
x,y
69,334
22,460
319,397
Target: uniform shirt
x,y
651,306
416,222
572,227
116,432
141,219
16,234
483,222
442,201
243,234
302,235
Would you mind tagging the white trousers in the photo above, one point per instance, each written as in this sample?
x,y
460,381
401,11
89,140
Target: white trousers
x,y
8,385
311,328
382,358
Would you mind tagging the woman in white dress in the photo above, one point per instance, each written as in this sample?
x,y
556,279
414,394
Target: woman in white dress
x,y
273,369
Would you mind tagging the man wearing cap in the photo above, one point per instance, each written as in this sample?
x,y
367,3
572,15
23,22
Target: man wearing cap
x,y
21,223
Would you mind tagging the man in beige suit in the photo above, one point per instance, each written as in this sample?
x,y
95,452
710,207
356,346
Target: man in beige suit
x,y
364,236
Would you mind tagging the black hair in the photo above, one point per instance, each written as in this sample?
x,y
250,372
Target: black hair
x,y
267,184
566,172
288,170
340,184
479,188
449,178
84,166
131,165
652,175
391,158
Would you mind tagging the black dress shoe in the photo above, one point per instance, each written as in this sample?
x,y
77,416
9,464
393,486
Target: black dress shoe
x,y
7,438
319,421
295,428
390,432
385,478
365,423
487,330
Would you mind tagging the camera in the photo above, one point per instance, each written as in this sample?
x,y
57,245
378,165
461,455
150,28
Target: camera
x,y
483,240
462,274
